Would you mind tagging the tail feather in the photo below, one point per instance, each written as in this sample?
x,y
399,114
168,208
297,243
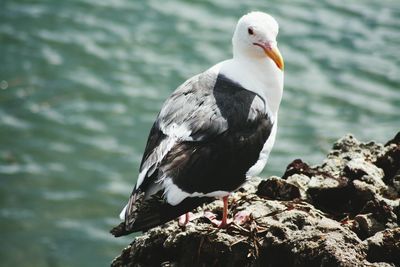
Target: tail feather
x,y
164,212
154,212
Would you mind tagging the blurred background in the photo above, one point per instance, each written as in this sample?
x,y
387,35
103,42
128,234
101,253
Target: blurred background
x,y
81,82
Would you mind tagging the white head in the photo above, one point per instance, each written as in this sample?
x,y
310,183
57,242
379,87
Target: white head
x,y
255,37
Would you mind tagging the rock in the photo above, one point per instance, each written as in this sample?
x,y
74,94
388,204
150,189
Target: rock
x,y
367,225
389,162
301,182
350,177
280,233
384,247
278,189
344,212
359,167
298,167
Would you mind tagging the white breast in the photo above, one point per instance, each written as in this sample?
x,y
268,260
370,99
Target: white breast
x,y
264,154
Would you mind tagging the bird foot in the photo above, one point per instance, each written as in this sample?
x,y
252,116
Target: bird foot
x,y
241,217
218,223
185,219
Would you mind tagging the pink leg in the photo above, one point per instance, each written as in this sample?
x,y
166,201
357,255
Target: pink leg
x,y
212,217
183,219
224,223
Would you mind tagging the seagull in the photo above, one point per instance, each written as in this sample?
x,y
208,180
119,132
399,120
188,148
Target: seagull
x,y
214,132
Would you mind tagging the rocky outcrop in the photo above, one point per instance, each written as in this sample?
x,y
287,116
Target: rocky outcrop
x,y
344,212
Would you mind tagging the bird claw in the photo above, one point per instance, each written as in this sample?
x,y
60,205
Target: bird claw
x,y
223,225
185,219
212,217
241,217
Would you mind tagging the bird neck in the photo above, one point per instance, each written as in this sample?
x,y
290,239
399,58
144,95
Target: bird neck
x,y
259,75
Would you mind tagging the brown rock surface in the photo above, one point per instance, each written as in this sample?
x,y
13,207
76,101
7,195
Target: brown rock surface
x,y
344,212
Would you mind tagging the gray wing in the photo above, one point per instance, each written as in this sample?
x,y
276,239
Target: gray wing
x,y
191,113
200,109
206,114
193,107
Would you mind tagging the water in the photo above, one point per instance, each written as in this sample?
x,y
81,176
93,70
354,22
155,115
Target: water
x,y
82,81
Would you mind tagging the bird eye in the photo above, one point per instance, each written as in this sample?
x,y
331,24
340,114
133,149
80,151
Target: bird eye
x,y
250,31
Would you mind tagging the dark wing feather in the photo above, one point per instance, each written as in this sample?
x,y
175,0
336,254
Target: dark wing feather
x,y
230,142
153,141
182,106
219,164
192,105
156,211
224,120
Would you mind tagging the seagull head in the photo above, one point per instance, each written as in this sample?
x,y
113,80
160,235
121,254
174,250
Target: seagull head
x,y
255,37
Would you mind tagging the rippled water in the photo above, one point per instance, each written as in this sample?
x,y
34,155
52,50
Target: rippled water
x,y
81,82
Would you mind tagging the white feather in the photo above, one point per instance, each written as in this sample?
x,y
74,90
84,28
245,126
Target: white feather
x,y
155,158
264,154
177,132
123,211
174,195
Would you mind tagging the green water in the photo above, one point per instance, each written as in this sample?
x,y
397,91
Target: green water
x,y
82,81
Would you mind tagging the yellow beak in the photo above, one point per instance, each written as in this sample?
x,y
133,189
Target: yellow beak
x,y
276,56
